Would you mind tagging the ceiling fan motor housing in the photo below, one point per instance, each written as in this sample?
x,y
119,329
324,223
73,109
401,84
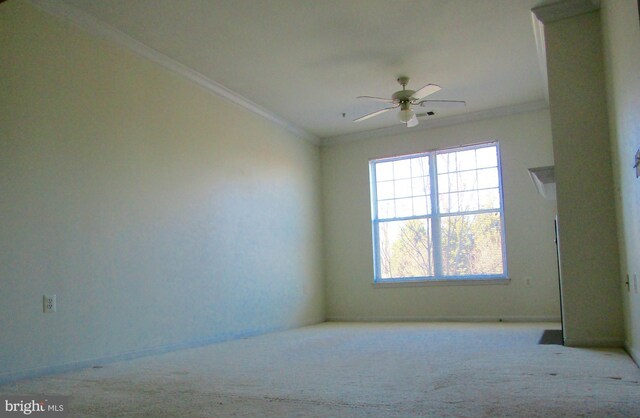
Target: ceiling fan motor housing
x,y
402,96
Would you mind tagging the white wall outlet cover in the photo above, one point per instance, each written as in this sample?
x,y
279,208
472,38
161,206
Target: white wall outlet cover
x,y
49,303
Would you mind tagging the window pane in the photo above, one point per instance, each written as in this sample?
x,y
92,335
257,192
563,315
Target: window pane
x,y
448,202
468,201
448,183
489,198
420,186
402,169
404,207
384,171
443,202
385,190
386,209
467,180
488,178
446,162
402,188
466,160
443,183
472,245
406,248
487,157
420,167
421,206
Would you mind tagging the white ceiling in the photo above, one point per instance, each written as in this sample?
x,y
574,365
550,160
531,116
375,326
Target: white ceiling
x,y
307,60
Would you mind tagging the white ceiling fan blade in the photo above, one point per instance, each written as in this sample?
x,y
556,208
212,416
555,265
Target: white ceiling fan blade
x,y
425,91
378,99
412,122
443,104
372,114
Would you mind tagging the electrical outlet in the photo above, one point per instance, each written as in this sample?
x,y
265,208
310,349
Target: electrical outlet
x,y
527,281
49,303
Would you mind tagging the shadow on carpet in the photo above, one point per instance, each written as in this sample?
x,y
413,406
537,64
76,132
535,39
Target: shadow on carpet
x,y
551,336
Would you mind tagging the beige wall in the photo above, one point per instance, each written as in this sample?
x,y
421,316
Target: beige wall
x,y
586,213
525,141
622,63
158,214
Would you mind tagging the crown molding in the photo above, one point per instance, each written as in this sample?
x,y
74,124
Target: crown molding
x,y
92,25
438,123
564,9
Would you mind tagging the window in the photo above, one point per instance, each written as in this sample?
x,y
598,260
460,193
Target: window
x,y
438,215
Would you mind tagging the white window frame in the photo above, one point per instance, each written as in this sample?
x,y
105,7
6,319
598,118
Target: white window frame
x,y
435,216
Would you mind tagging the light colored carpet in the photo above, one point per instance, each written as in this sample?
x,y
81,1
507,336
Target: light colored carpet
x,y
361,370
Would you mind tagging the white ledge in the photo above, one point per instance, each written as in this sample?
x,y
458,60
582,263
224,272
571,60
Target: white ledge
x,y
442,282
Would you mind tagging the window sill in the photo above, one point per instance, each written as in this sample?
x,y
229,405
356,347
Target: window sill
x,y
442,282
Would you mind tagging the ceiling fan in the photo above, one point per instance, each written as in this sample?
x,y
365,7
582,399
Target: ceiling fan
x,y
404,99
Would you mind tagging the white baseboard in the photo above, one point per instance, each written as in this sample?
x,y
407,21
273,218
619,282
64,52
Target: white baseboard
x,y
594,342
13,376
511,318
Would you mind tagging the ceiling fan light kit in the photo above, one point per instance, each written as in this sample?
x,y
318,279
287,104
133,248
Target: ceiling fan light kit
x,y
404,99
405,114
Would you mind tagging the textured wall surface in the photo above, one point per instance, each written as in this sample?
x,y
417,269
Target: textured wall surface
x,y
525,141
586,207
621,31
157,213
